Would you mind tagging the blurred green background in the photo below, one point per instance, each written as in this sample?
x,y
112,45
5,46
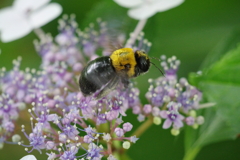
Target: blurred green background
x,y
190,32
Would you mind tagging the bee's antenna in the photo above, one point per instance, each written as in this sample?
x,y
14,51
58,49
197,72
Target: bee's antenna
x,y
156,58
157,68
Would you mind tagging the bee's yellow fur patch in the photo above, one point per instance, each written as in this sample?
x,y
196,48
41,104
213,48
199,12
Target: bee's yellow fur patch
x,y
122,57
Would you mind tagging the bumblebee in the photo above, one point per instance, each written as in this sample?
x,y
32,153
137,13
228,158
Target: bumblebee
x,y
104,73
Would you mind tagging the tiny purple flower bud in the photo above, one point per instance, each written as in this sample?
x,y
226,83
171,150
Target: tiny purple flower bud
x,y
141,118
28,99
111,115
156,112
8,126
67,77
60,57
147,108
119,132
127,127
51,103
50,145
133,139
119,120
87,139
66,121
77,67
190,121
63,137
136,110
49,56
52,117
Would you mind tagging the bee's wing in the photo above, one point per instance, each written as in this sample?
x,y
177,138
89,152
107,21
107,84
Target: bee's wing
x,y
107,88
114,41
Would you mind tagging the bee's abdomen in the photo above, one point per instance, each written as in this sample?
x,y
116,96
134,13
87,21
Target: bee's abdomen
x,y
96,74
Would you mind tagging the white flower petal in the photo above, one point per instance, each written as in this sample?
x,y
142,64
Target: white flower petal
x,y
26,5
143,12
5,14
14,33
25,15
147,10
129,3
164,5
14,26
45,15
28,157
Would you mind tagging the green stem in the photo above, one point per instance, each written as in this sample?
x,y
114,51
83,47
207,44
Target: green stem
x,y
192,153
141,129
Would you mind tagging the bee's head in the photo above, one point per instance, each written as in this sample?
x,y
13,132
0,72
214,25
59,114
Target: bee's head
x,y
143,62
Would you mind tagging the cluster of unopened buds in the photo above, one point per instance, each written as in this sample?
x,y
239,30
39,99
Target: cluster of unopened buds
x,y
63,121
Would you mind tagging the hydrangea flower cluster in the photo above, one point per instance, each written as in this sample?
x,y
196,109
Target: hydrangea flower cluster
x,y
173,100
63,121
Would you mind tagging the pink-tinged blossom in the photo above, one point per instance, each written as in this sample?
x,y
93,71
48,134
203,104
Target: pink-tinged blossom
x,y
62,137
190,121
8,126
136,109
156,112
50,145
119,132
87,139
127,127
147,108
172,116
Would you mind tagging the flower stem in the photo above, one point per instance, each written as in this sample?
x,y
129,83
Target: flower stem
x,y
141,129
137,30
192,153
109,148
207,105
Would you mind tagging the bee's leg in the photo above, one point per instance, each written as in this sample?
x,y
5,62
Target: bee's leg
x,y
125,82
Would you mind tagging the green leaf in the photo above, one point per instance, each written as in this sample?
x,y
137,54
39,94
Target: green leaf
x,y
220,83
190,137
228,43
